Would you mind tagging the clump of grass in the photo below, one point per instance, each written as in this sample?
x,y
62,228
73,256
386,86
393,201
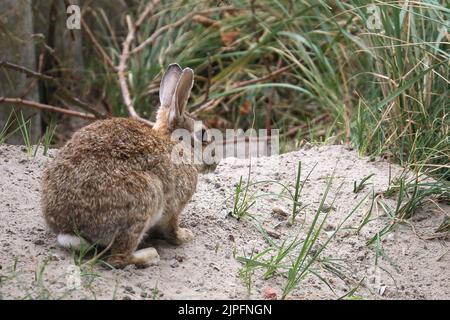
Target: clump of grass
x,y
296,204
24,127
155,292
296,258
6,131
47,138
412,193
242,202
358,187
244,199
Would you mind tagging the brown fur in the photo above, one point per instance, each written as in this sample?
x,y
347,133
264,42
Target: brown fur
x,y
111,179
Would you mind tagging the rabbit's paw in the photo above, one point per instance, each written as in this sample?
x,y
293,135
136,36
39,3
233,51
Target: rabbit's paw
x,y
184,235
141,258
146,257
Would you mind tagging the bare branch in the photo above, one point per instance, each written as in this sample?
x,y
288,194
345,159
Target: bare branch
x,y
64,92
208,105
37,105
97,45
208,84
28,72
187,17
262,79
124,57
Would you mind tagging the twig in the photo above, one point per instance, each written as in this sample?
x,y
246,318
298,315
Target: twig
x,y
268,120
267,77
97,45
211,104
254,21
37,105
66,93
208,84
28,72
125,55
208,104
187,17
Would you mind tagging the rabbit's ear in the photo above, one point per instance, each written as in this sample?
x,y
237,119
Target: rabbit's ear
x,y
182,94
169,84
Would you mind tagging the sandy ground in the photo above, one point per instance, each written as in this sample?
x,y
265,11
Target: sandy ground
x,y
407,267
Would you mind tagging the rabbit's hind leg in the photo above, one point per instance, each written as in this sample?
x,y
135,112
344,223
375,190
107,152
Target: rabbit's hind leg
x,y
124,249
173,233
123,252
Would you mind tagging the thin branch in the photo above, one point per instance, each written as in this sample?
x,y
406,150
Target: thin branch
x,y
187,17
64,92
257,80
208,84
268,120
37,105
97,45
28,72
124,57
212,103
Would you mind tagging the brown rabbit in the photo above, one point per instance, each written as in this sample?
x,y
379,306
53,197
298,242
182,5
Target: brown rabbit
x,y
114,181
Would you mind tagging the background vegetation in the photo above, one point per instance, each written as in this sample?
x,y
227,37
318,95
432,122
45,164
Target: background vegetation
x,y
320,71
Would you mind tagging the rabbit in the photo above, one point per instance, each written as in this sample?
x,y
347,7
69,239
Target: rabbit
x,y
114,181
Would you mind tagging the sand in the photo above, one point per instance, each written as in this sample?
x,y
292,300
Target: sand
x,y
413,261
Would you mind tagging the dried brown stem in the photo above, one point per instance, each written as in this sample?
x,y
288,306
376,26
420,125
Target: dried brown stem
x,y
212,103
124,57
97,45
187,17
28,72
37,105
64,92
262,79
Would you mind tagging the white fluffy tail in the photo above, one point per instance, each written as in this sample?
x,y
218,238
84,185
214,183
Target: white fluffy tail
x,y
70,241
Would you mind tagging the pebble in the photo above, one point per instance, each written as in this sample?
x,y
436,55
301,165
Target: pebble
x,y
179,258
273,234
327,208
280,212
130,290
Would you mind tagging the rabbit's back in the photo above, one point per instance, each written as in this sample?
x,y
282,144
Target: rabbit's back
x,y
104,176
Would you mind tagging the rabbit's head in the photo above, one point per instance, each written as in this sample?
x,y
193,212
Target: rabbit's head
x,y
174,92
